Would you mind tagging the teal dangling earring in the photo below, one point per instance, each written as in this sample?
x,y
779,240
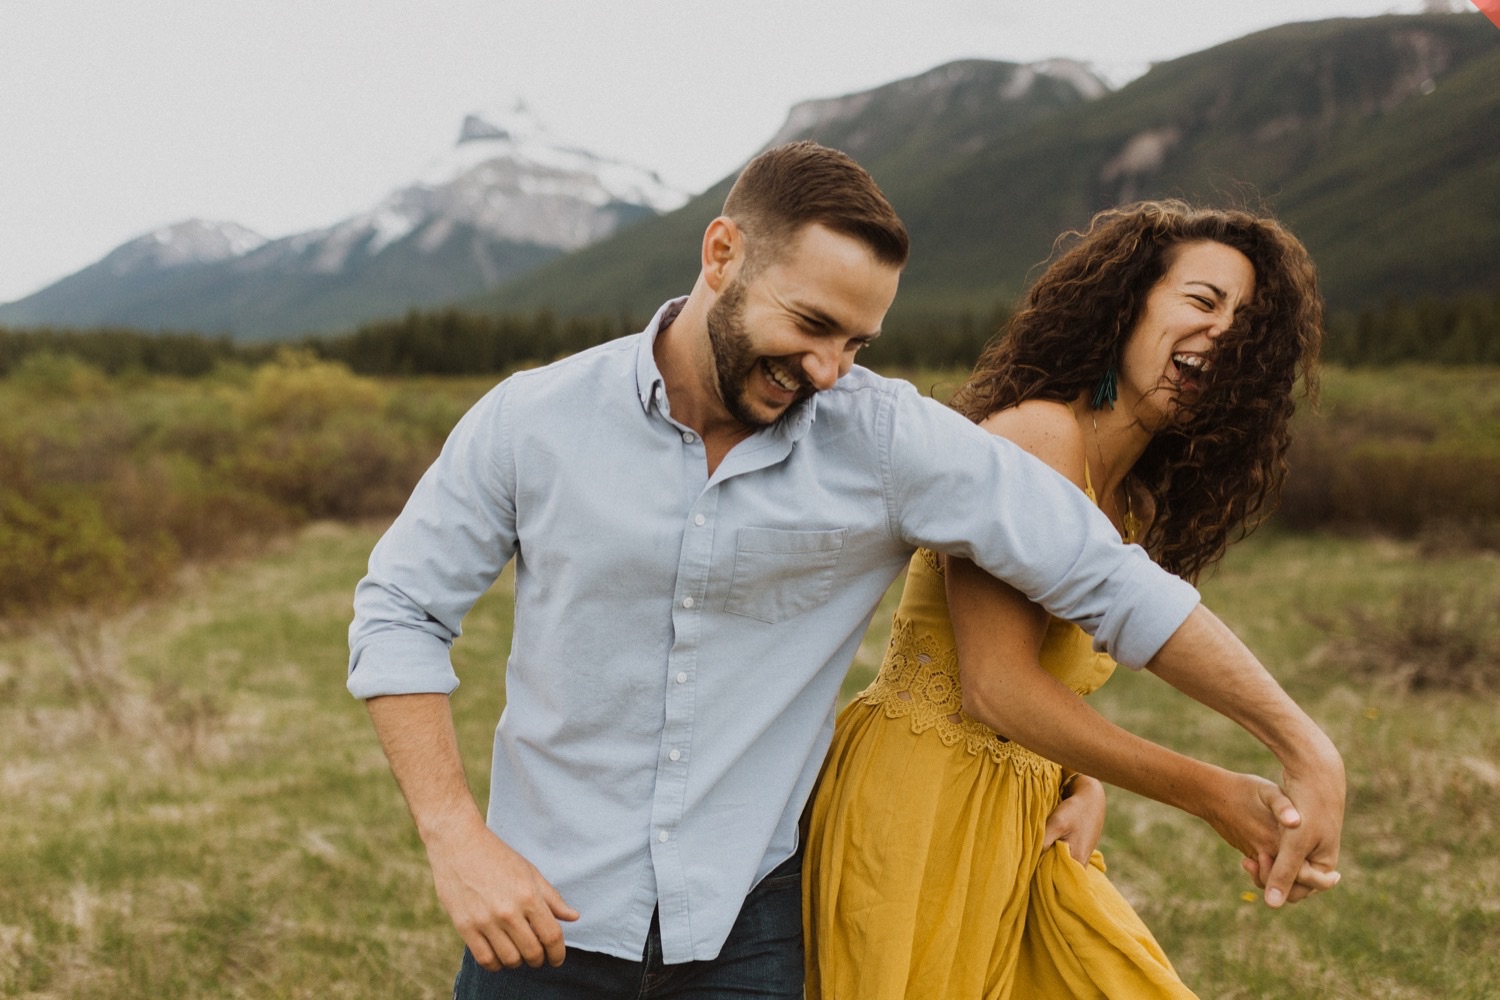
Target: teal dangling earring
x,y
1107,392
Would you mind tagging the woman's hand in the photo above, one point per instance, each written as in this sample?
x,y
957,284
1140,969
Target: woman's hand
x,y
1078,819
1250,812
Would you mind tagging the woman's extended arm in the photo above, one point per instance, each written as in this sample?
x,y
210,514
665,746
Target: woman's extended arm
x,y
998,633
1008,690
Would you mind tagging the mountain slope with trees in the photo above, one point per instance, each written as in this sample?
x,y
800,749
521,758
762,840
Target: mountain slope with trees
x,y
1376,139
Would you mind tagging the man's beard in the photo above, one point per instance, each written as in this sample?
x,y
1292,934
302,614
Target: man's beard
x,y
734,358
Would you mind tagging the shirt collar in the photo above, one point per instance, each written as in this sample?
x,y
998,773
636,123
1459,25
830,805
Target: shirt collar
x,y
648,381
650,385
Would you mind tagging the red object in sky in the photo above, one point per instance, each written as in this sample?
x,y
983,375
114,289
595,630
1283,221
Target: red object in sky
x,y
1490,9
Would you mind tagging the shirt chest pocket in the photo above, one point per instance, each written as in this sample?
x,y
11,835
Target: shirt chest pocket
x,y
780,574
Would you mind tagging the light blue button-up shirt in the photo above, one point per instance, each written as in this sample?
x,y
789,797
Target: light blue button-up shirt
x,y
680,638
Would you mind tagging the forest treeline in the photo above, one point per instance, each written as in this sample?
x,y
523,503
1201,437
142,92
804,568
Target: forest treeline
x,y
1463,331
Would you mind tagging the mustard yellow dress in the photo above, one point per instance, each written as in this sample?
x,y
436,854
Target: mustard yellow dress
x,y
924,874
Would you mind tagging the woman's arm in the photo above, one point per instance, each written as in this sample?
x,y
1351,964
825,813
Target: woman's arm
x,y
1005,687
999,632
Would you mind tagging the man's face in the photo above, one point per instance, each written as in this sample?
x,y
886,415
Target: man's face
x,y
794,327
736,364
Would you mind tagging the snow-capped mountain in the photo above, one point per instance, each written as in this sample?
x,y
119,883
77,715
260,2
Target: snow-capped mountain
x,y
195,241
505,198
511,160
507,178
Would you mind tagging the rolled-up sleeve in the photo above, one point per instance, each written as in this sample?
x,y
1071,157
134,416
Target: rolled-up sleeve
x,y
958,489
445,549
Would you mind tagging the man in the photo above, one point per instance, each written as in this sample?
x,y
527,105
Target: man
x,y
703,518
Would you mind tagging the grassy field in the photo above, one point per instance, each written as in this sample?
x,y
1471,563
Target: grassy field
x,y
194,806
191,805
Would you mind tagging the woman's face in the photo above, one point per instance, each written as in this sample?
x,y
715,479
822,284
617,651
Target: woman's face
x,y
1184,314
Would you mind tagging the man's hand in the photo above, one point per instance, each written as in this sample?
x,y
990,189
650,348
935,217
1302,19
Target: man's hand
x,y
1078,819
1262,822
505,911
1319,791
1307,855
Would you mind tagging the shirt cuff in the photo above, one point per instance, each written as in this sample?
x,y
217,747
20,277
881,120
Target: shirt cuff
x,y
1134,631
401,661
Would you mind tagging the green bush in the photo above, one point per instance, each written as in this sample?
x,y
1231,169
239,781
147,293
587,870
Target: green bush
x,y
1408,452
108,486
55,375
1429,641
58,549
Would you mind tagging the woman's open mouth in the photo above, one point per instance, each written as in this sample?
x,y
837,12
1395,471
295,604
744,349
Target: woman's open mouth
x,y
1190,369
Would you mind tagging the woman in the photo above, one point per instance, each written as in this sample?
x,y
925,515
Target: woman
x,y
1154,365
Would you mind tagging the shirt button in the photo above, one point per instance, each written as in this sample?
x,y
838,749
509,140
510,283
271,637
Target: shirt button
x,y
662,837
687,602
699,520
675,755
689,437
682,677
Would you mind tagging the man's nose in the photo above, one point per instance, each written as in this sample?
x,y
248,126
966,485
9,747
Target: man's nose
x,y
822,366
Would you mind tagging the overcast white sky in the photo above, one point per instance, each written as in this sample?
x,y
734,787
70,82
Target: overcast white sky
x,y
120,116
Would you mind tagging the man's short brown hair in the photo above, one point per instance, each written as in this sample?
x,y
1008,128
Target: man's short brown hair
x,y
801,184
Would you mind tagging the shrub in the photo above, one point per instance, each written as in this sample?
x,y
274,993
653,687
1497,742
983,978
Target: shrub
x,y
1413,452
317,441
191,509
1430,641
351,465
58,548
298,392
50,374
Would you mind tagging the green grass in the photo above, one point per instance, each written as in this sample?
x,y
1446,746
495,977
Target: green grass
x,y
220,824
1418,912
195,807
191,805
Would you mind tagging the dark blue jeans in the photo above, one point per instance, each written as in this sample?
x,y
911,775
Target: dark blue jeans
x,y
762,958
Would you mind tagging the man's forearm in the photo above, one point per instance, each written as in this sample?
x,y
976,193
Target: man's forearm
x,y
1206,661
504,909
416,732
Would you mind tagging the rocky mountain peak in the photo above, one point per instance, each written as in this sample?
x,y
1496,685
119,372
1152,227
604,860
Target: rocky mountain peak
x,y
500,146
977,88
193,241
516,124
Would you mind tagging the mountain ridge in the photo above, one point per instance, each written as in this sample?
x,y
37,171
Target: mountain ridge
x,y
1288,120
505,198
1377,140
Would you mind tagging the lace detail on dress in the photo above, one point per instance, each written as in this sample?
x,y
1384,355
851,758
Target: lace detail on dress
x,y
919,681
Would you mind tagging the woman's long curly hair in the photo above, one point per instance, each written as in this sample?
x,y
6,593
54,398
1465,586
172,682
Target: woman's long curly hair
x,y
1218,471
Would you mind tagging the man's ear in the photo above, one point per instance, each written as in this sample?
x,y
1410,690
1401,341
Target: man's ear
x,y
723,252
